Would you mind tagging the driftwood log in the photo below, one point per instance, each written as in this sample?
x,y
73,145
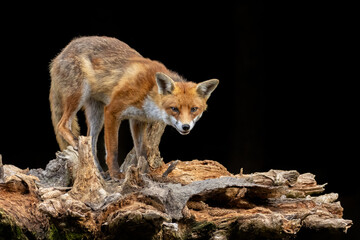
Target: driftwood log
x,y
70,199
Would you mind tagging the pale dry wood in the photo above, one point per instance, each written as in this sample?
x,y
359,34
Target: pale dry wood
x,y
179,200
89,185
154,132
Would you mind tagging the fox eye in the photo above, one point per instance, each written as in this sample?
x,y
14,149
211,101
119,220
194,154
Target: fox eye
x,y
174,109
194,109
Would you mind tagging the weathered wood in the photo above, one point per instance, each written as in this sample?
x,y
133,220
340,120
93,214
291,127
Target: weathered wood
x,y
179,200
154,132
1,170
89,186
20,217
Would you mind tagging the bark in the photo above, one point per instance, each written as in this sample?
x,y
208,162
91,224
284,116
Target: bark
x,y
70,199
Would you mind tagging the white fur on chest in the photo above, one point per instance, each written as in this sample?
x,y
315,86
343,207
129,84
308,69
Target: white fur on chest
x,y
149,112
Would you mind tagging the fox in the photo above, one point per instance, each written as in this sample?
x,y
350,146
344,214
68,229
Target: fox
x,y
112,82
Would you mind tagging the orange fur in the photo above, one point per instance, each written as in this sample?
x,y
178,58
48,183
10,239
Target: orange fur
x,y
184,97
112,82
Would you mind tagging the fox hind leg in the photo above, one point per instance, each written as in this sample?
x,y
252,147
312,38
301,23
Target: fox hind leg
x,y
72,104
94,112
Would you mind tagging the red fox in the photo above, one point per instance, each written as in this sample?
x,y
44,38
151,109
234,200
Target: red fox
x,y
113,82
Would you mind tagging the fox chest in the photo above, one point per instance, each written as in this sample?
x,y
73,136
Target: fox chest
x,y
149,112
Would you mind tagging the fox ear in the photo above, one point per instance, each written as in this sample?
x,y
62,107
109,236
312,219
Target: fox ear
x,y
165,84
204,89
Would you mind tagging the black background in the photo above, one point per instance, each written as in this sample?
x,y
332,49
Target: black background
x,y
286,98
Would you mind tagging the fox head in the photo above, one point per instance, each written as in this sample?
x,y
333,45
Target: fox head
x,y
183,102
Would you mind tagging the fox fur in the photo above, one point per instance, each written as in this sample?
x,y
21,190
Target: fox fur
x,y
111,82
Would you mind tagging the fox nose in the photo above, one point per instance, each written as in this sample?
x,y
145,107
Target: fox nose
x,y
186,127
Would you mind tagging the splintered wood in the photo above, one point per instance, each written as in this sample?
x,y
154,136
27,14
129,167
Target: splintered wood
x,y
195,199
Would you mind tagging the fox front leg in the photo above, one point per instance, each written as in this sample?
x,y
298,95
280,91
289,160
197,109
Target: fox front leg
x,y
111,129
138,129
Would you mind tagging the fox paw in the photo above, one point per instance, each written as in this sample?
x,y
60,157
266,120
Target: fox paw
x,y
117,175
